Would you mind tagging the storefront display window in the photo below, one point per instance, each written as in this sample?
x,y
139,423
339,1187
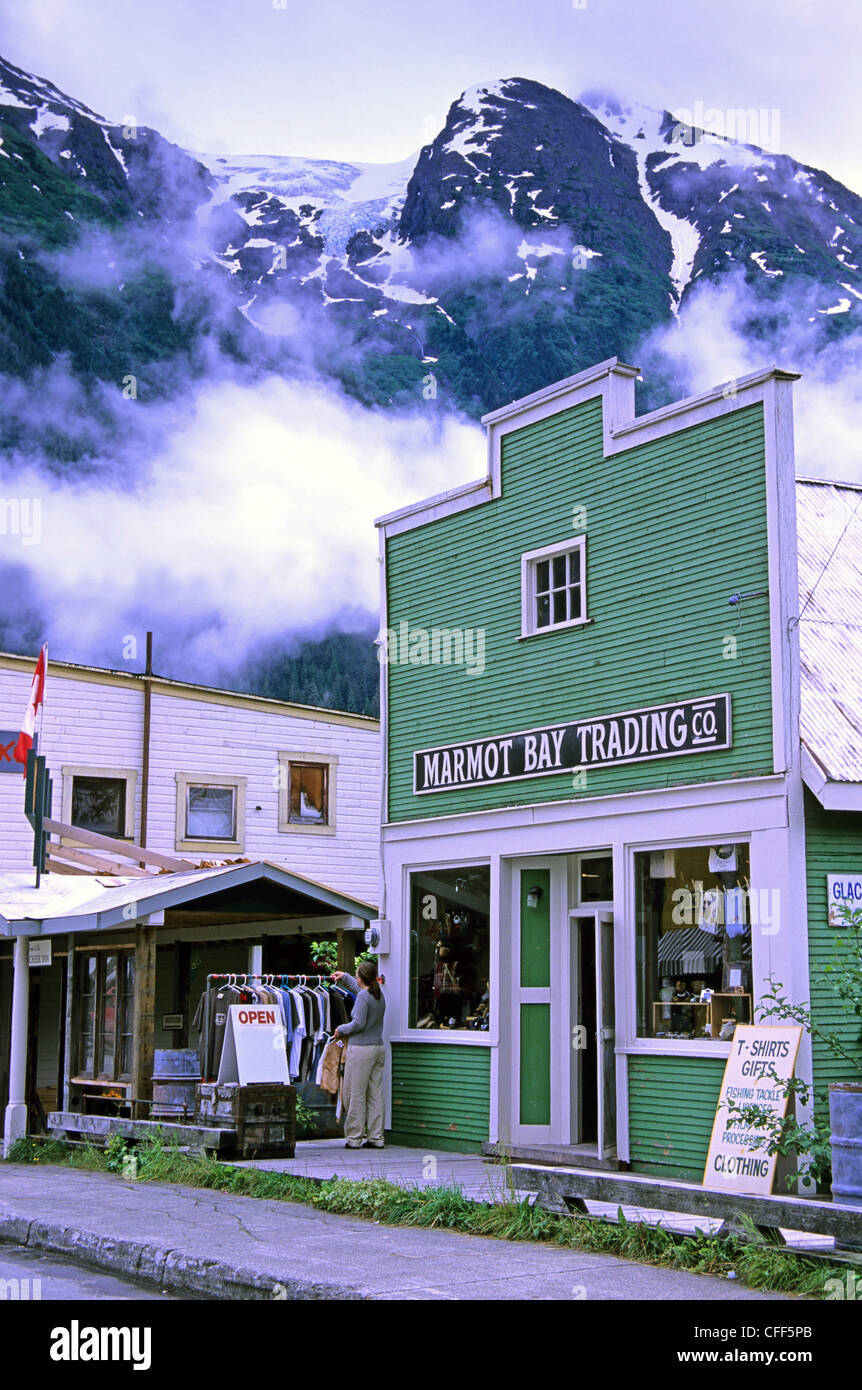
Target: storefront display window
x,y
693,922
450,949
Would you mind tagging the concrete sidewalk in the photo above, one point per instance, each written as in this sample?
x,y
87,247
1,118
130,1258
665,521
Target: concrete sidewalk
x,y
208,1243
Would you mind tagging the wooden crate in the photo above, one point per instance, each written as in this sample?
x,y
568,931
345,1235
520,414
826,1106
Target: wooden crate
x,y
263,1115
261,1140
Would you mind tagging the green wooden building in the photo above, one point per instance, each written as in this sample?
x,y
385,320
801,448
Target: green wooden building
x,y
621,766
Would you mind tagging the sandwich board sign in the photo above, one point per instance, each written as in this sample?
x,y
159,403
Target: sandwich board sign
x,y
761,1058
254,1045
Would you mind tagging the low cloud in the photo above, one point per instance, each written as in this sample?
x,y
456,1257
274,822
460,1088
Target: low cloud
x,y
254,516
712,343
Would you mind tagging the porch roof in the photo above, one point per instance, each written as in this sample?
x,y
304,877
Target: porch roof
x,y
88,903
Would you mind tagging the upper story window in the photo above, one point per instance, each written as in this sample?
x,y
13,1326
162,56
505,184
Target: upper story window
x,y
99,803
100,799
307,793
554,587
210,811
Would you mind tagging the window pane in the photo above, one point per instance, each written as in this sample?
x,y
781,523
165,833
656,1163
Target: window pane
x,y
543,611
574,567
99,803
542,577
693,941
210,814
109,1019
450,940
127,1012
597,880
308,794
559,571
87,1016
575,601
560,614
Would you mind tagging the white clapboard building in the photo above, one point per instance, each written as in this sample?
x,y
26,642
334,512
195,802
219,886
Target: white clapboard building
x,y
206,774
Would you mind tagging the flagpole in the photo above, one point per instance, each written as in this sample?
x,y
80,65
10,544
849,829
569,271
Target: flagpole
x,y
42,736
42,710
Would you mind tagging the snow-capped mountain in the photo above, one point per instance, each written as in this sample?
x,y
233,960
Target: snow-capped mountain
x,y
533,236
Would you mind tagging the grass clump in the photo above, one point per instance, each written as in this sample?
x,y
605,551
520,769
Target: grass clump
x,y
754,1262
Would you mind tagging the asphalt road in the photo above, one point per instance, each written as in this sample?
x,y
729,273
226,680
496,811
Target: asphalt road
x,y
61,1279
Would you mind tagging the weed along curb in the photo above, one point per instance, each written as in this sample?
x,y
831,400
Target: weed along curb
x,y
754,1264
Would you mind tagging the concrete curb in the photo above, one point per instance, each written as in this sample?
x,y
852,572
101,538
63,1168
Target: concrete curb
x,y
168,1269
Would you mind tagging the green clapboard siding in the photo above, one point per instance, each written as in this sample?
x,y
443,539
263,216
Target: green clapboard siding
x,y
674,527
672,1104
833,845
536,931
535,1080
441,1096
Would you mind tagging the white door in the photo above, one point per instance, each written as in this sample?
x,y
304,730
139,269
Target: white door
x,y
606,1034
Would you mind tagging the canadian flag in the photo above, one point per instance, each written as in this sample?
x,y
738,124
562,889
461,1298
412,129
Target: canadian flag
x,y
37,695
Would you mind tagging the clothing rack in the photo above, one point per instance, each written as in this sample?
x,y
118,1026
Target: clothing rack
x,y
240,978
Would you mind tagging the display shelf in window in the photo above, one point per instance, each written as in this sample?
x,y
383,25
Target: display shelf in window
x,y
727,1009
686,1018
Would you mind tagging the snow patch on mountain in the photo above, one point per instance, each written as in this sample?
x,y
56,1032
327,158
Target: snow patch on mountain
x,y
639,127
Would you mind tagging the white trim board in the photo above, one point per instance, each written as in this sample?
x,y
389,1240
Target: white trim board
x,y
833,796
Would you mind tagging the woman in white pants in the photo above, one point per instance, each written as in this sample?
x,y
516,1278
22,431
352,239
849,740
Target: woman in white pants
x,y
363,1068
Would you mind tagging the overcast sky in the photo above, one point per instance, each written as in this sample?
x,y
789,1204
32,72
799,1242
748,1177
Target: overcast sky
x,y
373,80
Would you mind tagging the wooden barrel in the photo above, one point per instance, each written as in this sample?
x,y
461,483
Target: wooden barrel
x,y
845,1114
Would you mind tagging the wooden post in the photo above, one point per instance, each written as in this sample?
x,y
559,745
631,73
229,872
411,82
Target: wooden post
x,y
182,989
145,1018
69,1036
346,950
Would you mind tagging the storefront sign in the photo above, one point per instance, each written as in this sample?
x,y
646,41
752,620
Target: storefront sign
x,y
760,1060
254,1045
641,735
39,952
842,890
8,739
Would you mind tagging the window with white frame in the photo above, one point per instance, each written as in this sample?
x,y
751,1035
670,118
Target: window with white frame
x,y
210,811
693,914
306,802
100,799
554,587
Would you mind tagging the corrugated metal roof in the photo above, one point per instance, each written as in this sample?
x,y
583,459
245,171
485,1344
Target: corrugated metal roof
x,y
829,525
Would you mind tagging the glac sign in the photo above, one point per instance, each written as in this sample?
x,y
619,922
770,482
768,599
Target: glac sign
x,y
658,731
842,890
